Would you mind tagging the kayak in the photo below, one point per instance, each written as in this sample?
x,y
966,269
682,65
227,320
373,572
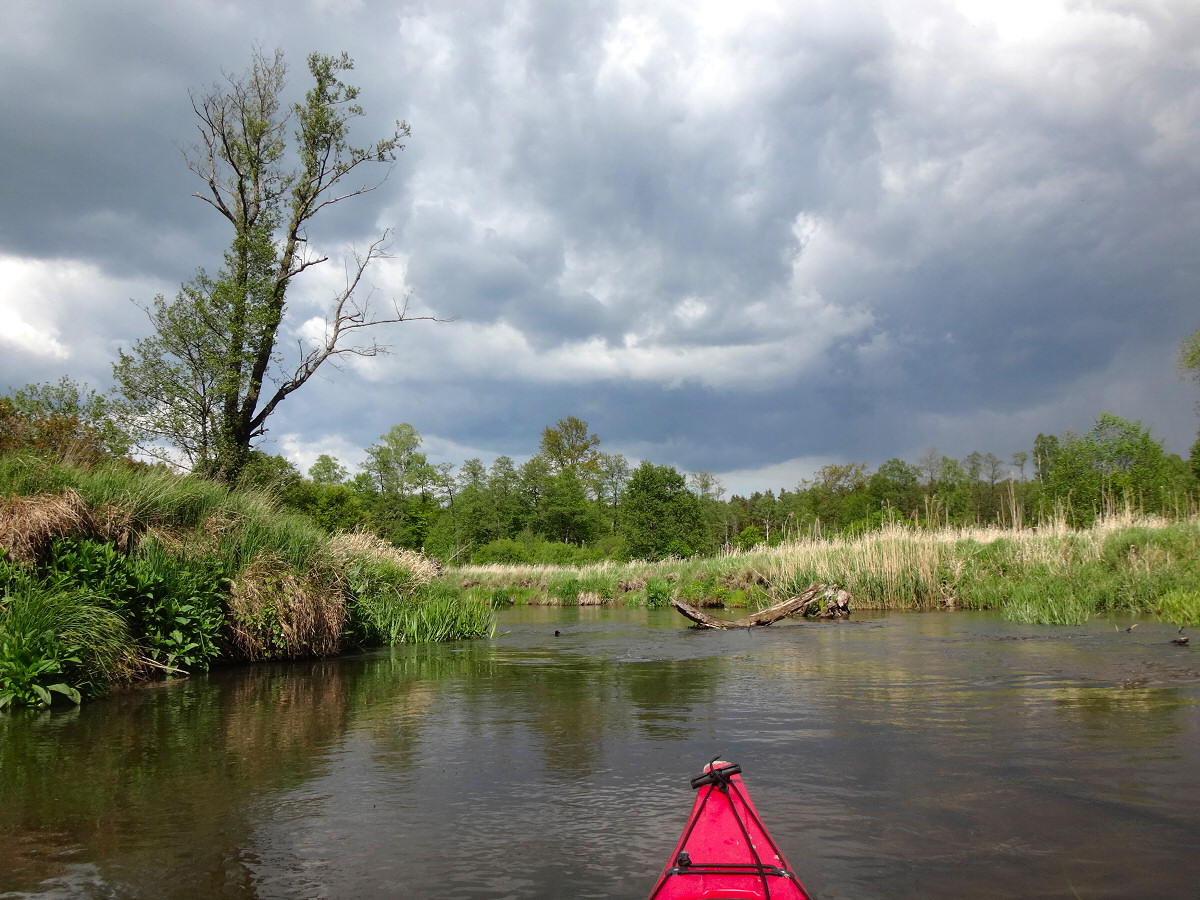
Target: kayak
x,y
725,852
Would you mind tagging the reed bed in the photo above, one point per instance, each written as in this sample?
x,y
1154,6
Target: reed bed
x,y
1050,574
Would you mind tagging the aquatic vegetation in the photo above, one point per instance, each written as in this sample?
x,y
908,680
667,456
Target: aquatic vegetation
x,y
1180,607
1046,575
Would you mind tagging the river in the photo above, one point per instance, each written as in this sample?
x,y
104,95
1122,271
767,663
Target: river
x,y
931,755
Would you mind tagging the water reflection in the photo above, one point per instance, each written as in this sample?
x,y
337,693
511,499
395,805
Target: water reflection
x,y
920,755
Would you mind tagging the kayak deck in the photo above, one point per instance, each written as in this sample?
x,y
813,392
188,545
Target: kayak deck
x,y
725,852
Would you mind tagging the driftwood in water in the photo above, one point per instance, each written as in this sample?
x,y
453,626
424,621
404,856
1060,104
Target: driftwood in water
x,y
830,602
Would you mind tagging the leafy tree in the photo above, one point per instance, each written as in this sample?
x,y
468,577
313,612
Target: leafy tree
x,y
1189,354
749,537
1045,450
209,377
335,507
568,445
659,515
609,480
68,398
896,484
973,464
718,523
396,463
1115,460
837,494
327,470
65,418
269,472
470,515
1019,459
954,489
1189,361
505,496
404,486
565,514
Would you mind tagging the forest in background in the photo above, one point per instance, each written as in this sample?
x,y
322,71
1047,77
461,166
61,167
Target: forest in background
x,y
573,503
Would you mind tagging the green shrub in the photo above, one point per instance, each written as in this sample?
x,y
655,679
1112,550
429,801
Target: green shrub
x,y
173,605
59,640
565,590
505,551
31,666
181,611
658,592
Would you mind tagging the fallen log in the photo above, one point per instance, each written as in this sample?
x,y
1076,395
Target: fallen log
x,y
830,602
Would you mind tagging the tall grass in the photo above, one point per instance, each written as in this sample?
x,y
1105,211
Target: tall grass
x,y
1048,575
51,635
194,571
395,597
442,613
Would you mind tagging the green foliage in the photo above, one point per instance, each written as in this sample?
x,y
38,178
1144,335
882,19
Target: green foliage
x,y
1180,607
65,419
443,612
257,527
380,591
535,551
30,665
504,551
174,606
601,584
568,446
212,373
660,516
564,513
565,590
1046,603
1116,460
750,536
1189,354
658,592
328,471
57,640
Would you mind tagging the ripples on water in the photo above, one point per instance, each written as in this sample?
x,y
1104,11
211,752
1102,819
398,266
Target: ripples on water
x,y
920,755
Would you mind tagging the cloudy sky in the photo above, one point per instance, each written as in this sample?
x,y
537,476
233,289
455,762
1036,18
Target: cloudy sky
x,y
742,237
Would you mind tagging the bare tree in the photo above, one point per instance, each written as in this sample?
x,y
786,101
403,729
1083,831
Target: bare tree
x,y
930,465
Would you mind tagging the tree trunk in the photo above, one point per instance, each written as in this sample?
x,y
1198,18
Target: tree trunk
x,y
830,602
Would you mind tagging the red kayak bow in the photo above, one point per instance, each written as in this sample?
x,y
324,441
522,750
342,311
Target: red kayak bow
x,y
725,852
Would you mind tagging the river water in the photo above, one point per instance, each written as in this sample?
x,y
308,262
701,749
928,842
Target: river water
x,y
902,756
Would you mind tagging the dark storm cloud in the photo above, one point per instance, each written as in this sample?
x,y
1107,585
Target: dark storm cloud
x,y
726,236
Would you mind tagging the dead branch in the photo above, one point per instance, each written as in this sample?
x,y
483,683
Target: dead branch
x,y
830,601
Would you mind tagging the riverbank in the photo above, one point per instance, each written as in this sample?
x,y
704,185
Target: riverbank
x,y
116,572
1049,575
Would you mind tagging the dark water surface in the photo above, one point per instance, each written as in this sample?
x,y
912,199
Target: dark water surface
x,y
913,755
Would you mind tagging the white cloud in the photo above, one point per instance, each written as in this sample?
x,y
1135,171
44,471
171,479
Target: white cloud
x,y
62,310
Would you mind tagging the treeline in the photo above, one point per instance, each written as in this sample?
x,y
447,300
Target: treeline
x,y
573,503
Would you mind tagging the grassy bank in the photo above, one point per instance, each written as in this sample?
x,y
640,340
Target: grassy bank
x,y
112,572
1046,575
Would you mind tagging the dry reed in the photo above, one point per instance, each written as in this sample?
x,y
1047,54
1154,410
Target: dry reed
x,y
276,614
